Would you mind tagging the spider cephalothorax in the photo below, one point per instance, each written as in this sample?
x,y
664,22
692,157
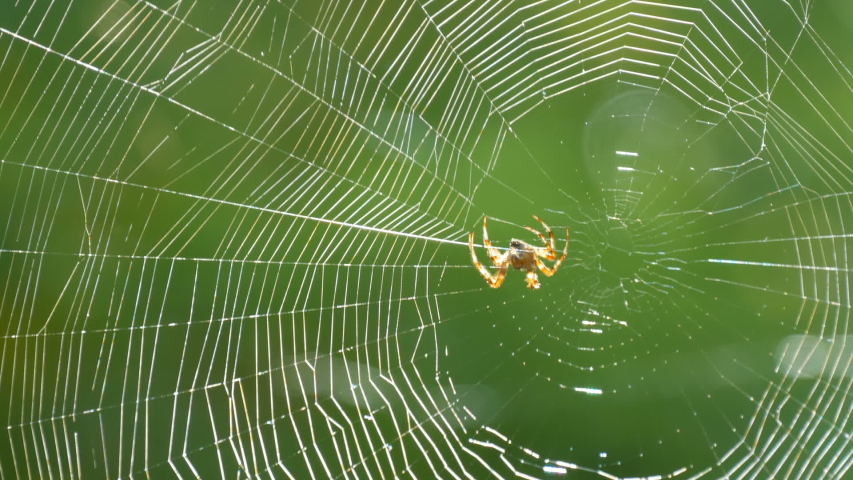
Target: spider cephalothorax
x,y
520,255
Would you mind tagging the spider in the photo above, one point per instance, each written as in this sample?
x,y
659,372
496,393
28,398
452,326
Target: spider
x,y
520,255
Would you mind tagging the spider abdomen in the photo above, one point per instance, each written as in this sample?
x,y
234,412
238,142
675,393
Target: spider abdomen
x,y
521,255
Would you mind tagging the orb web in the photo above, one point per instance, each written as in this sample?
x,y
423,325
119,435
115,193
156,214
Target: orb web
x,y
234,239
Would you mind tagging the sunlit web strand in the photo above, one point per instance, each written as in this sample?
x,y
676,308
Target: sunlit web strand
x,y
250,207
219,40
193,111
777,265
239,261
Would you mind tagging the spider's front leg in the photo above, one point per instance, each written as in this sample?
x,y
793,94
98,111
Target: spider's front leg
x,y
496,280
550,247
494,253
551,271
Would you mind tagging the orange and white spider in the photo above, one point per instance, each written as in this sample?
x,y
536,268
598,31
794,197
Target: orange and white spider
x,y
520,255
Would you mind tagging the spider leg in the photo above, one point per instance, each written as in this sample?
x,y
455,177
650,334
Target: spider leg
x,y
494,253
552,248
494,281
545,252
498,279
550,271
532,279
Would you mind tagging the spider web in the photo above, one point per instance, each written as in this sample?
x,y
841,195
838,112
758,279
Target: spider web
x,y
234,239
